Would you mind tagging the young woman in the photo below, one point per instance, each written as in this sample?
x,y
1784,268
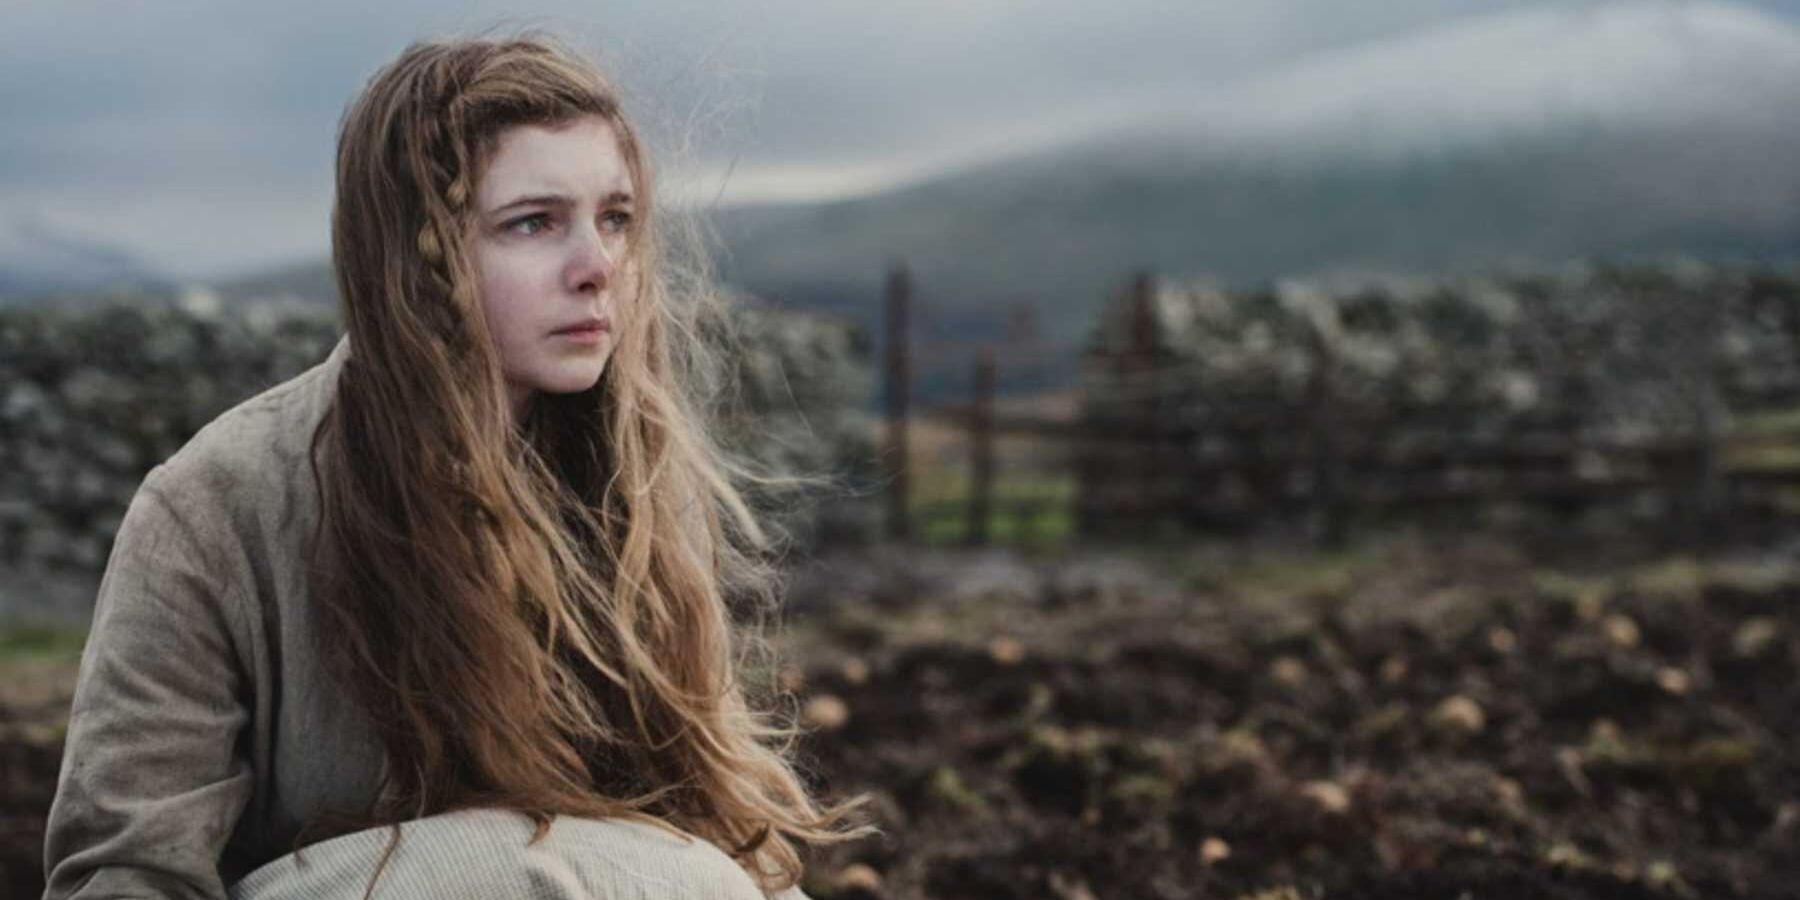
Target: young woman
x,y
470,573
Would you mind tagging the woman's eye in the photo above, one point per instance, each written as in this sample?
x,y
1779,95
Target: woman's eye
x,y
529,225
615,220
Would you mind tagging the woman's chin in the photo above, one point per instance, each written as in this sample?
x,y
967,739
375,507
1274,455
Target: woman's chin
x,y
573,379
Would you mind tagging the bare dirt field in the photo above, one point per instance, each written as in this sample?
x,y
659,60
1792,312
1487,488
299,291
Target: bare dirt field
x,y
1402,721
1411,718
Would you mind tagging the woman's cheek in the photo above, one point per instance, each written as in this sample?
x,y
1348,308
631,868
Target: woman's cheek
x,y
626,297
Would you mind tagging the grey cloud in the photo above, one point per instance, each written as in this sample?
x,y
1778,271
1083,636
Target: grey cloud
x,y
175,101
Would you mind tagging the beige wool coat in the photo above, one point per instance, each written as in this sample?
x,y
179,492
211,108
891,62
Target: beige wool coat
x,y
205,731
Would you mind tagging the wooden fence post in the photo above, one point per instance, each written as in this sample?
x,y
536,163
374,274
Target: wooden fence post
x,y
1327,463
981,450
1708,493
898,374
1151,498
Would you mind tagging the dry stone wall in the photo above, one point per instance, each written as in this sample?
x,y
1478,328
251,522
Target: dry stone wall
x,y
92,396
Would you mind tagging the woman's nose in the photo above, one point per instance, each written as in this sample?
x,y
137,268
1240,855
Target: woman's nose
x,y
591,261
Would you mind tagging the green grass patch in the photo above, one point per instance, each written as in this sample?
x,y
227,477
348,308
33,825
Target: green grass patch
x,y
1761,442
1681,577
1677,578
1026,509
1761,457
1279,572
1768,423
41,642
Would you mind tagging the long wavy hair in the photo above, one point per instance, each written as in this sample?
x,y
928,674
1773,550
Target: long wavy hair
x,y
551,616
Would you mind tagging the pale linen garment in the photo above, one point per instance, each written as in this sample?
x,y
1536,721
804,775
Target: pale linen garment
x,y
481,854
206,730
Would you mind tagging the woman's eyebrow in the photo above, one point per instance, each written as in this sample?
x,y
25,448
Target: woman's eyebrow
x,y
534,200
613,199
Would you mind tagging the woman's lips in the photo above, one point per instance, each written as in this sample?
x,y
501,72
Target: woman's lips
x,y
586,332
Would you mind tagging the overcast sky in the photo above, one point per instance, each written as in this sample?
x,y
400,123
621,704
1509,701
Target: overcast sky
x,y
199,135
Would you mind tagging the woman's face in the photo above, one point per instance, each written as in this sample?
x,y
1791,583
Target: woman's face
x,y
554,212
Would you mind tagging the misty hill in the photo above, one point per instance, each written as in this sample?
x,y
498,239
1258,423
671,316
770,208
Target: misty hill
x,y
1061,231
306,281
37,259
1623,132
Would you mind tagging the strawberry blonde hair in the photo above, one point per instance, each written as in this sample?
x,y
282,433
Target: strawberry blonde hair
x,y
543,617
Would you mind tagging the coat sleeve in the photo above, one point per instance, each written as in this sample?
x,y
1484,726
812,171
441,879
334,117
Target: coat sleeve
x,y
153,778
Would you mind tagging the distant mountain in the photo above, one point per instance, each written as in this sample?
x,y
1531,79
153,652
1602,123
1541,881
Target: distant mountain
x,y
1639,130
38,261
306,281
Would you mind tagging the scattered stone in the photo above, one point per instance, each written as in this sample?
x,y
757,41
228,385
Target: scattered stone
x,y
24,401
1590,603
1288,671
826,713
1663,876
1569,763
1214,851
1459,714
1509,792
1605,732
1621,631
858,877
1330,796
1673,680
1068,887
1241,746
1755,638
1502,639
87,389
1565,855
1787,816
1006,651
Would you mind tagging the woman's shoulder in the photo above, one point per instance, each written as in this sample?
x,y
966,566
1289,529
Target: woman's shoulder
x,y
254,455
